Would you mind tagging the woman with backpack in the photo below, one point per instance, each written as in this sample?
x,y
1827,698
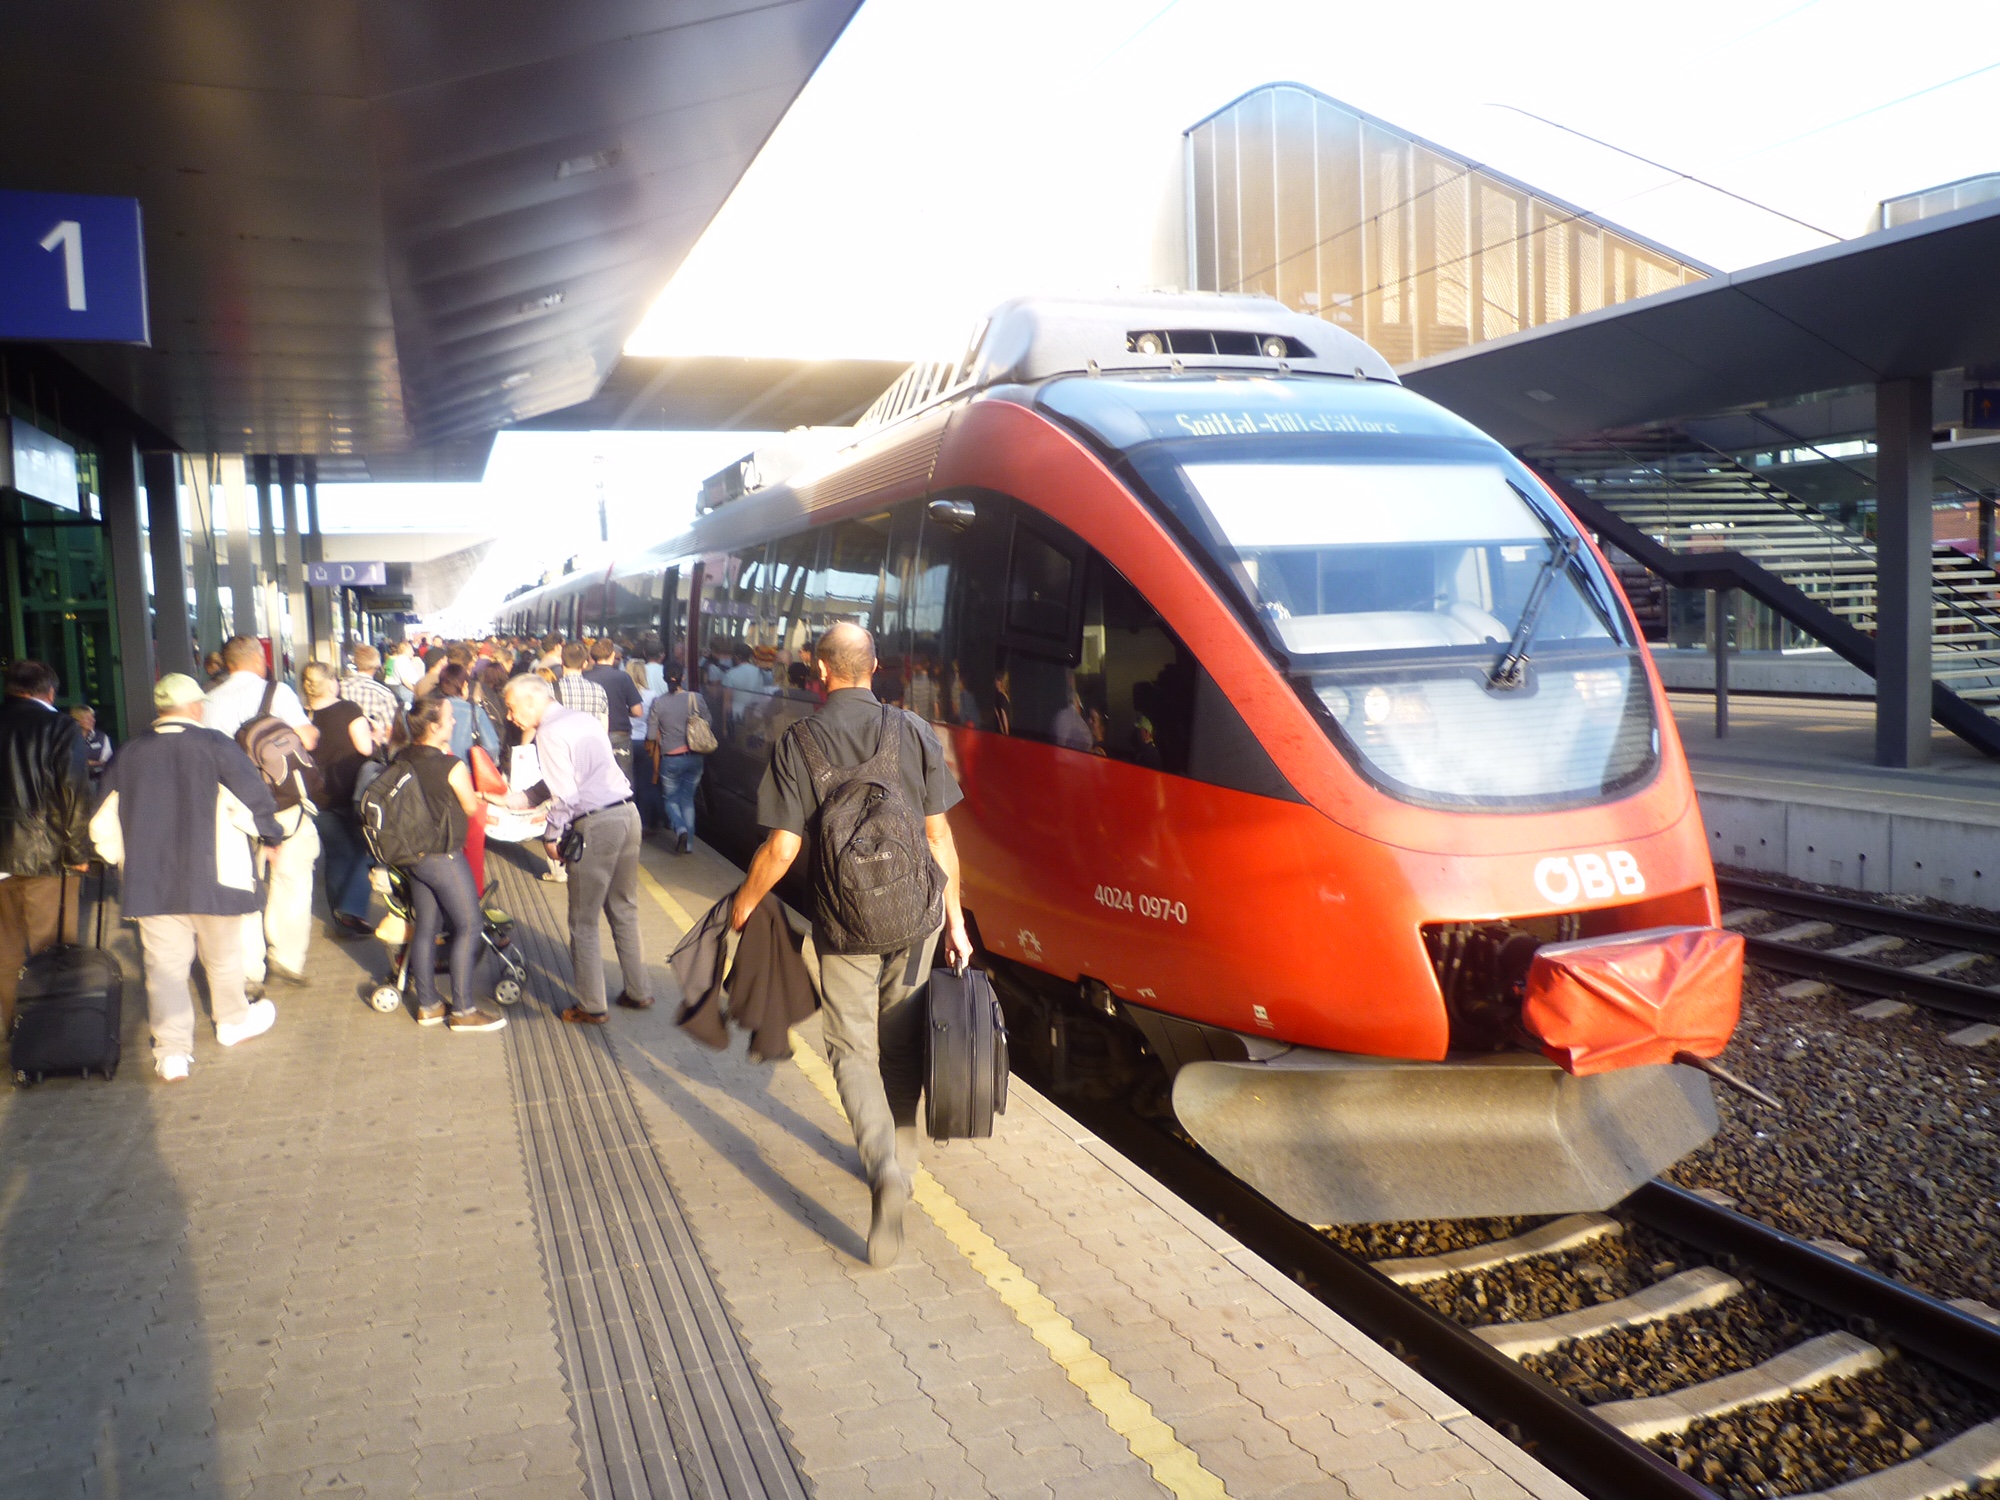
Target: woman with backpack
x,y
441,888
681,735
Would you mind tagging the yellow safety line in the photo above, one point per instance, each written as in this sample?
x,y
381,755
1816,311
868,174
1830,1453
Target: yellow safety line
x,y
668,904
1129,1415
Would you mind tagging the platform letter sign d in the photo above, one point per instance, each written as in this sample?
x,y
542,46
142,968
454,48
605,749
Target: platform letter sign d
x,y
72,268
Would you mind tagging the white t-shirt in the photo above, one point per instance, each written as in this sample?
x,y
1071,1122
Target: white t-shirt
x,y
233,702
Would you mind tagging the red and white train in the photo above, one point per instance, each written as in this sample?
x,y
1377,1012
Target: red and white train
x,y
1295,719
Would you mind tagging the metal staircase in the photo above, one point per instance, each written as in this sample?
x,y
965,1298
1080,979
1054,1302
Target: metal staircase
x,y
1697,518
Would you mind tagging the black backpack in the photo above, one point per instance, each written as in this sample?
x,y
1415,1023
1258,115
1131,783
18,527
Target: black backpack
x,y
280,756
876,888
397,819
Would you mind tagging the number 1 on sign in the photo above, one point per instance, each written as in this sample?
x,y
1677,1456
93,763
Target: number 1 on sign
x,y
69,235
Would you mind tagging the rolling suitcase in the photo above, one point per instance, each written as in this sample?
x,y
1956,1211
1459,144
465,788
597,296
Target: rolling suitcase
x,y
965,1072
70,1009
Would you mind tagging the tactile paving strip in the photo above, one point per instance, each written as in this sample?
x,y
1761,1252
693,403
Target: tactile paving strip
x,y
664,1398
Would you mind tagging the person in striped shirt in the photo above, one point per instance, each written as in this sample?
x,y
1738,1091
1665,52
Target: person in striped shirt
x,y
361,688
574,690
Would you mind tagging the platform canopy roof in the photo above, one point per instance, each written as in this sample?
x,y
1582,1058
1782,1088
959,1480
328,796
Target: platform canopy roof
x,y
1907,301
381,227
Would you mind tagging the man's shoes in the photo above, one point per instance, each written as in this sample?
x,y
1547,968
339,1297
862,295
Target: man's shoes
x,y
345,926
885,1231
173,1068
279,971
576,1015
686,845
476,1019
556,875
644,1002
262,1016
431,1015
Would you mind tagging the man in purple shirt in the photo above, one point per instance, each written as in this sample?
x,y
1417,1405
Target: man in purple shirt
x,y
585,790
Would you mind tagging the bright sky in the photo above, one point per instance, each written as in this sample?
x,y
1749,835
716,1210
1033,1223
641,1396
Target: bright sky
x,y
952,153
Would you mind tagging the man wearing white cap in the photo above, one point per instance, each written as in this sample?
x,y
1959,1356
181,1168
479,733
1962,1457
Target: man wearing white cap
x,y
188,817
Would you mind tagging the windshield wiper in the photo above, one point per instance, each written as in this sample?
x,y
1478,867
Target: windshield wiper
x,y
1511,670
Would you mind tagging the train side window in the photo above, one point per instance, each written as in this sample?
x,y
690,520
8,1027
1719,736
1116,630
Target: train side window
x,y
892,636
975,670
1136,682
851,584
935,681
1042,578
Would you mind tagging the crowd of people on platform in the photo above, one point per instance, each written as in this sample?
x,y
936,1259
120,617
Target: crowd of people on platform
x,y
224,810
221,858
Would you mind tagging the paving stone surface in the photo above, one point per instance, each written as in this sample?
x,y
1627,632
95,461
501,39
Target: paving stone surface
x,y
311,1268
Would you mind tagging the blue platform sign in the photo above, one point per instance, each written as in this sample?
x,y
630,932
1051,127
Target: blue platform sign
x,y
72,266
347,575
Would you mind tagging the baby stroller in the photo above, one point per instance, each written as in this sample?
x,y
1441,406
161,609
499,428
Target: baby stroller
x,y
496,931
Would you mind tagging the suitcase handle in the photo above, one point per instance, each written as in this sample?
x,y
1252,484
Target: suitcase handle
x,y
62,898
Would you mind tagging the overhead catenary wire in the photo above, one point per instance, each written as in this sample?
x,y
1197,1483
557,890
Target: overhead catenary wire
x,y
1663,167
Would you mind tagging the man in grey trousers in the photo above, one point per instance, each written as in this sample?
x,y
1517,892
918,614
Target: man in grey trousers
x,y
875,1013
586,791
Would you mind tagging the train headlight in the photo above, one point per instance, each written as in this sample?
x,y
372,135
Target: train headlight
x,y
1275,347
1376,705
1149,343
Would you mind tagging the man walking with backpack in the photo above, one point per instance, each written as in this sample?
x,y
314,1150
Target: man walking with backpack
x,y
248,706
871,782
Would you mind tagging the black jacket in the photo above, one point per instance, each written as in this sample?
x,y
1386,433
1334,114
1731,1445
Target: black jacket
x,y
44,789
768,989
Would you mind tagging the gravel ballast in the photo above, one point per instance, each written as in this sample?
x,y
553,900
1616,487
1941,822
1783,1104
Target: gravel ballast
x,y
1829,1435
1675,1353
1889,1140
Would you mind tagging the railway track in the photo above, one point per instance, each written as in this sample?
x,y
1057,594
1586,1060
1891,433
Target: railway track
x,y
1949,965
1611,1450
1784,1321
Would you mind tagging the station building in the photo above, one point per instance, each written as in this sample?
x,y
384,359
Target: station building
x,y
1725,432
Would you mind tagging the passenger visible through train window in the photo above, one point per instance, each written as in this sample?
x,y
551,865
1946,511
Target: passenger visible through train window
x,y
1136,681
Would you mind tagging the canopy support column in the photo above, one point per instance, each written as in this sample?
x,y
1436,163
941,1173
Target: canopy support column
x,y
1903,572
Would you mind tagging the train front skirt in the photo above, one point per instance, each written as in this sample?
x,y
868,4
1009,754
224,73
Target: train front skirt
x,y
1338,1139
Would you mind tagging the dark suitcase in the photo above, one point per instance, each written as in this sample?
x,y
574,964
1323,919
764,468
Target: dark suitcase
x,y
965,1067
70,1009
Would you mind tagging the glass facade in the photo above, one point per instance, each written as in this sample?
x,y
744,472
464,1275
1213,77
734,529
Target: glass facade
x,y
1938,200
1419,252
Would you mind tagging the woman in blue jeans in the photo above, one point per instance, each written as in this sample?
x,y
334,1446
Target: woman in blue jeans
x,y
680,767
441,889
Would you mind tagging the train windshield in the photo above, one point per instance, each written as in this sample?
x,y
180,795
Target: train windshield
x,y
1464,649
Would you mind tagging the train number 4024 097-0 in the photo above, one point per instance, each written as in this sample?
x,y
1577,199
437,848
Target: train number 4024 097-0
x,y
1159,908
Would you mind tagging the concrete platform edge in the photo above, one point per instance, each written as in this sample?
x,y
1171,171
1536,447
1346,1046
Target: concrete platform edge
x,y
1511,1459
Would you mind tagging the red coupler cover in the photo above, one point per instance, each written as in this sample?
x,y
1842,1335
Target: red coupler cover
x,y
1634,998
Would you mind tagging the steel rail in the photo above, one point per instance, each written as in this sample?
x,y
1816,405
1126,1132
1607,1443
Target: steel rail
x,y
1932,991
1980,937
1921,1323
1556,1428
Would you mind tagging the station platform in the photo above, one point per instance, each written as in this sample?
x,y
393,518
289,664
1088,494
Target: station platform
x,y
359,1257
1793,790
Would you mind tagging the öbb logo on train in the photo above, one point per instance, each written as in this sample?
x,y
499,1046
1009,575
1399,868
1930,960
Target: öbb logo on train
x,y
1561,878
